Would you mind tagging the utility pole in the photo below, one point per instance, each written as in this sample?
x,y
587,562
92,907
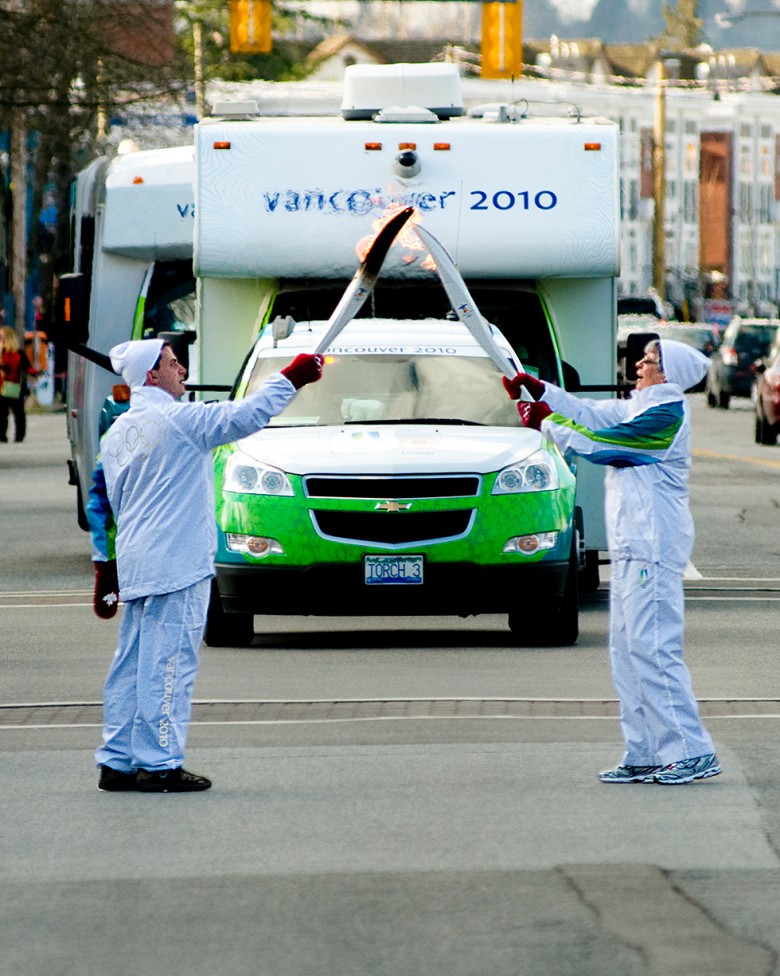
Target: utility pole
x,y
659,183
200,85
19,219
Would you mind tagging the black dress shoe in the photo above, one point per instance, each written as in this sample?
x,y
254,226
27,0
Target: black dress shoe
x,y
113,781
170,781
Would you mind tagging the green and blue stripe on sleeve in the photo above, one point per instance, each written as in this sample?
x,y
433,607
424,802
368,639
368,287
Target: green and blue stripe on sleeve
x,y
645,439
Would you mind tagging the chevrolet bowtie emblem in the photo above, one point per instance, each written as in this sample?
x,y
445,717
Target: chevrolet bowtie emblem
x,y
392,506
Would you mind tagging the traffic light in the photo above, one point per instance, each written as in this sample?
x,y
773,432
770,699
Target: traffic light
x,y
502,39
250,26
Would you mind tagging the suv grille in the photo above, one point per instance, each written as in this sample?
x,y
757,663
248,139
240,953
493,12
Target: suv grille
x,y
379,528
457,486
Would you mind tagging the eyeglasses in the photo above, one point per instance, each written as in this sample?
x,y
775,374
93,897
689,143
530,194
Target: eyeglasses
x,y
650,361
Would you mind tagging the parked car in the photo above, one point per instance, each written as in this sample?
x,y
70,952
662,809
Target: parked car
x,y
731,374
766,398
650,304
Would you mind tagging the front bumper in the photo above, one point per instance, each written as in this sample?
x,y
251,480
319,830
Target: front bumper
x,y
338,589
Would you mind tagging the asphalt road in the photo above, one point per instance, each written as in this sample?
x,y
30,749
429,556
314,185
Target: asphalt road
x,y
392,796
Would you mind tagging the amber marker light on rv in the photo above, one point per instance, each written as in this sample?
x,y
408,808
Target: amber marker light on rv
x,y
441,146
373,146
222,145
592,147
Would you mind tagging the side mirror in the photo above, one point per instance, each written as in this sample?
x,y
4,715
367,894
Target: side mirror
x,y
72,308
282,327
758,366
571,378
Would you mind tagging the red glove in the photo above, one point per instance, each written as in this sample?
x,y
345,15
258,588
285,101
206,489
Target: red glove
x,y
305,368
532,414
534,386
106,598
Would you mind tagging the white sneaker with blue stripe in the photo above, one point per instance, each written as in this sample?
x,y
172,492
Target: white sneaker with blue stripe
x,y
687,770
630,774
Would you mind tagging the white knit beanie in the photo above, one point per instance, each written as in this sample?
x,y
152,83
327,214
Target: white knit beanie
x,y
134,359
681,364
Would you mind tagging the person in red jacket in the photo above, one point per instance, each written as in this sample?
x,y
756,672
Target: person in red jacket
x,y
14,370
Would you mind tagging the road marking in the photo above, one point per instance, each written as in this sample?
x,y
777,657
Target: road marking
x,y
49,593
41,606
717,456
312,711
390,718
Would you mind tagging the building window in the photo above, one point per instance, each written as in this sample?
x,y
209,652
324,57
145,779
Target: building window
x,y
629,199
690,208
765,195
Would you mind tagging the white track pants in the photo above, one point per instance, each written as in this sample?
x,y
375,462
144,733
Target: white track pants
x,y
148,693
658,711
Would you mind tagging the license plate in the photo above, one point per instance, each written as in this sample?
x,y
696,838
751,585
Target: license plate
x,y
393,569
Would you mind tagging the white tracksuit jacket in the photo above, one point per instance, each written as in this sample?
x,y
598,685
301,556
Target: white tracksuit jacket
x,y
646,443
159,477
158,470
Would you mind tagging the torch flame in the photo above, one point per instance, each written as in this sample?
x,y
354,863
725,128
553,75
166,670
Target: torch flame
x,y
407,239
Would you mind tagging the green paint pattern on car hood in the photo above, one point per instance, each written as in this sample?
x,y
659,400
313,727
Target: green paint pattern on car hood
x,y
498,517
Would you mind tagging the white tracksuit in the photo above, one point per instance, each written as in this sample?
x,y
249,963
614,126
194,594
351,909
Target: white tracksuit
x,y
645,442
158,469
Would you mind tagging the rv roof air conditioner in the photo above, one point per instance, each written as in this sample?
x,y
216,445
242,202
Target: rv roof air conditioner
x,y
403,88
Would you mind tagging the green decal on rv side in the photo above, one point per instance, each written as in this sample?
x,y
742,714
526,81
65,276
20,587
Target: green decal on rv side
x,y
138,318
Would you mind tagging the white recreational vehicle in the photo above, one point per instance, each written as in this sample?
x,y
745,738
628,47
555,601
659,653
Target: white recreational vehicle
x,y
528,208
132,225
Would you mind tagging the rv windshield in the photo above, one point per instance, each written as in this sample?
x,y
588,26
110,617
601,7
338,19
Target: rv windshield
x,y
396,389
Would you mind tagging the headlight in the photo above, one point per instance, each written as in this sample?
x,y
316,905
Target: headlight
x,y
535,473
530,544
242,474
253,545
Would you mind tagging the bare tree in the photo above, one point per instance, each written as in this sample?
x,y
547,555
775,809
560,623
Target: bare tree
x,y
64,66
68,66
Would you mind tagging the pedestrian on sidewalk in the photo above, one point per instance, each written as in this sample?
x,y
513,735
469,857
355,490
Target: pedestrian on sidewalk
x,y
157,462
14,370
645,442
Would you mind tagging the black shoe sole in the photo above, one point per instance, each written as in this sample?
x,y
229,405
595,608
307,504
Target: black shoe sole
x,y
118,782
180,782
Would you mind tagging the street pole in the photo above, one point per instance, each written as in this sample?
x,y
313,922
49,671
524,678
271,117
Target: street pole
x,y
19,218
200,87
659,185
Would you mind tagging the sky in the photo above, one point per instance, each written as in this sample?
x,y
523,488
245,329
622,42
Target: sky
x,y
615,21
580,10
571,10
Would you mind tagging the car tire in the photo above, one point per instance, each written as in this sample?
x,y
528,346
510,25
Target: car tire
x,y
766,433
81,514
555,621
226,629
712,400
724,399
